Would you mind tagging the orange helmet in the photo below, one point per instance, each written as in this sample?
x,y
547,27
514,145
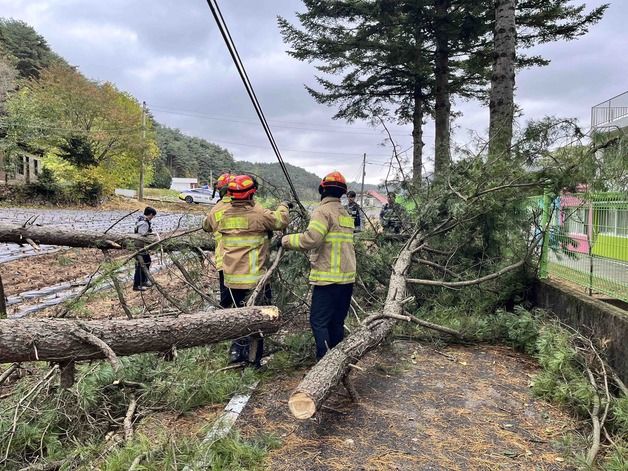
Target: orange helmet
x,y
241,187
333,180
222,181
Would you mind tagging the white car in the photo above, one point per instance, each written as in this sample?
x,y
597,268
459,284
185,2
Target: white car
x,y
198,196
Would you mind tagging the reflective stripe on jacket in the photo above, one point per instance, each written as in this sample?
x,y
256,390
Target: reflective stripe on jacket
x,y
217,212
243,227
329,237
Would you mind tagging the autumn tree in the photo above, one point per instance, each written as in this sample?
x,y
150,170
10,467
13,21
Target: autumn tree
x,y
86,129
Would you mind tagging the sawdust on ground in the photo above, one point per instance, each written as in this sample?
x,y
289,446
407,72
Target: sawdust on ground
x,y
465,408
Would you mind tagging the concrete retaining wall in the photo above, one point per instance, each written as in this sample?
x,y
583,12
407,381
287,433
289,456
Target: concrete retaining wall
x,y
591,317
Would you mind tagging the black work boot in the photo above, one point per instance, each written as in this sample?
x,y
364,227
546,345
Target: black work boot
x,y
238,351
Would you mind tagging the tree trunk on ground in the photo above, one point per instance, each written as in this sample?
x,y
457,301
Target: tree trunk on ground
x,y
417,138
62,340
332,368
501,104
442,109
50,235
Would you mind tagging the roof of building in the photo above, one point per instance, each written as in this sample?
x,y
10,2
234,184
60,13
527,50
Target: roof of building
x,y
378,196
184,180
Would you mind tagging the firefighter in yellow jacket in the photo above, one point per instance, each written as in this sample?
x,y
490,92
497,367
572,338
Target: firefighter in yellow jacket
x,y
329,238
243,226
220,185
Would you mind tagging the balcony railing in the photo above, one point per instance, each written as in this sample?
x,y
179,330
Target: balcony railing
x,y
609,111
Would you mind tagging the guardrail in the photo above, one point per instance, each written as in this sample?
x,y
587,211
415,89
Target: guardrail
x,y
611,110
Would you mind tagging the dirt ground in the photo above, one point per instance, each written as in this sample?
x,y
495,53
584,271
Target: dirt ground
x,y
464,408
46,270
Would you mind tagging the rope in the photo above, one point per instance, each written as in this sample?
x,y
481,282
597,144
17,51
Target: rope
x,y
226,35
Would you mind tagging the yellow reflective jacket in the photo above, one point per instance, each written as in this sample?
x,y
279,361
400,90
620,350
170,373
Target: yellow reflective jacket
x,y
218,208
329,237
243,227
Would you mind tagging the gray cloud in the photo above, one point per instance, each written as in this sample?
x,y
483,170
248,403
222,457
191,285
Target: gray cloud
x,y
169,53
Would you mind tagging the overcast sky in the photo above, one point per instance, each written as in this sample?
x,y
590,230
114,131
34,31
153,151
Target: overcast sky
x,y
169,53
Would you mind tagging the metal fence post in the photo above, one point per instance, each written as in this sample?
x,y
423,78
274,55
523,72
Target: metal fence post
x,y
545,219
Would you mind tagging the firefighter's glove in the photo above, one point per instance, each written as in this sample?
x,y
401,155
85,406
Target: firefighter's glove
x,y
276,243
288,204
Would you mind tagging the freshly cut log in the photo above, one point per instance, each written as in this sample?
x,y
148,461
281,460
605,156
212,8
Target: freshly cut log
x,y
333,367
63,340
51,235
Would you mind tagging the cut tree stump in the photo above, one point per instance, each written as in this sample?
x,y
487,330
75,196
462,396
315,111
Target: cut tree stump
x,y
312,391
64,340
53,235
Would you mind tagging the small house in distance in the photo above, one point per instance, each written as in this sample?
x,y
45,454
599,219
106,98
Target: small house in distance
x,y
182,184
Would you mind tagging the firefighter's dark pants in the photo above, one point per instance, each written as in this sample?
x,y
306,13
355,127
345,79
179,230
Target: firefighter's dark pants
x,y
237,298
330,305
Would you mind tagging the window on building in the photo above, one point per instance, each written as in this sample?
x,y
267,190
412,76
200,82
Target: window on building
x,y
613,221
36,166
576,220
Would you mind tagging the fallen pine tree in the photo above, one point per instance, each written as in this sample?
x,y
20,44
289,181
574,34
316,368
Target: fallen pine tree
x,y
53,235
66,340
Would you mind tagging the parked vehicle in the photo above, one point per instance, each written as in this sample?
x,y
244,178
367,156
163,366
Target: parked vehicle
x,y
198,196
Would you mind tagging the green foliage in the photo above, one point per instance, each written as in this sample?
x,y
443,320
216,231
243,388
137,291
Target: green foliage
x,y
78,152
231,453
617,459
83,414
89,133
47,184
87,190
186,156
163,177
29,50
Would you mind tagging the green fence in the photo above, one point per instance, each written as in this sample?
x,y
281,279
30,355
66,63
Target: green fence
x,y
587,242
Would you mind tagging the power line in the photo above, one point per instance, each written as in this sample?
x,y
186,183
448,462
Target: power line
x,y
226,35
245,121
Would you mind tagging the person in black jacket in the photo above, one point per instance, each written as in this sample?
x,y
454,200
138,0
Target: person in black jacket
x,y
354,210
143,227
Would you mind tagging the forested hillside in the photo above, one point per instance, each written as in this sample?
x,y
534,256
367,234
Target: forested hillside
x,y
89,135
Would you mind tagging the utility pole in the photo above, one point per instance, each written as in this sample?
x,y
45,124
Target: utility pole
x,y
363,175
140,193
211,177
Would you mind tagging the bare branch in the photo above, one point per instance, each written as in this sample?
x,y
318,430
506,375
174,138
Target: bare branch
x,y
96,342
415,320
128,419
121,219
461,284
262,282
437,266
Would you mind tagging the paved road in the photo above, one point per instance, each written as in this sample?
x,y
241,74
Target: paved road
x,y
86,220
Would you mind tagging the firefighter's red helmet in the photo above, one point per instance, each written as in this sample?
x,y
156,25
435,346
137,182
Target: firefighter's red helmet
x,y
333,180
241,187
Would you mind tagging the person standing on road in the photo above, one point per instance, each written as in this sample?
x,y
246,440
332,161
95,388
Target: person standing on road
x,y
244,227
143,227
329,238
353,208
216,212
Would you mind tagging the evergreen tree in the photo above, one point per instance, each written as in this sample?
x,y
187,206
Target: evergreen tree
x,y
381,50
412,57
30,50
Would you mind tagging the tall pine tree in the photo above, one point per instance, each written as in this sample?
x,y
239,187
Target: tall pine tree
x,y
408,59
